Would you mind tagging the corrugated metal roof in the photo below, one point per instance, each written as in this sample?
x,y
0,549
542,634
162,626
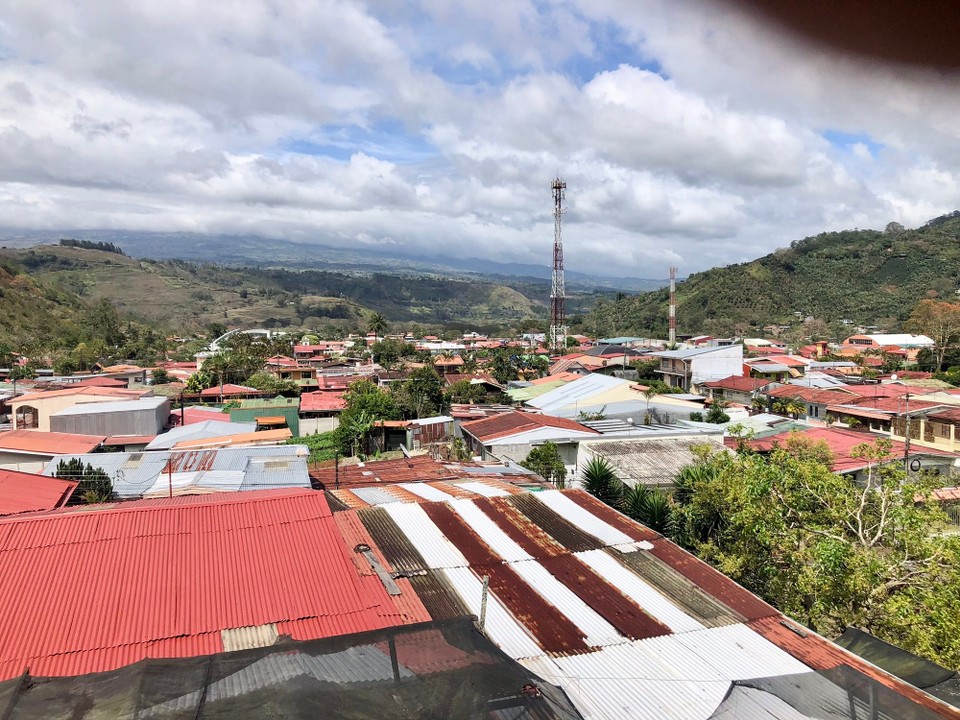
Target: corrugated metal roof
x,y
206,557
567,508
433,546
500,625
597,630
25,492
558,528
486,528
137,473
643,593
650,461
487,489
426,491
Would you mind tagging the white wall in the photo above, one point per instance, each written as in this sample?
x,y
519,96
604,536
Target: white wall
x,y
716,365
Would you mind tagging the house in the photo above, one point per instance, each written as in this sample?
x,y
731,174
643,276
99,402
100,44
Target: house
x,y
32,450
411,434
33,410
736,389
228,391
320,411
273,412
842,444
814,401
688,369
652,461
143,417
513,435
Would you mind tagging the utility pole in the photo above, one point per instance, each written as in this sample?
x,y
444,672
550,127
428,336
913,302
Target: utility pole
x,y
558,292
673,306
906,439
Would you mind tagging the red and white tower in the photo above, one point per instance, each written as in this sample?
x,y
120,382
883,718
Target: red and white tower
x,y
673,305
558,292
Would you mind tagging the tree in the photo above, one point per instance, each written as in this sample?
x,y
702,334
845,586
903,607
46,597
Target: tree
x,y
159,376
94,486
545,460
463,391
940,321
502,367
272,385
421,394
600,480
648,506
377,325
648,395
823,549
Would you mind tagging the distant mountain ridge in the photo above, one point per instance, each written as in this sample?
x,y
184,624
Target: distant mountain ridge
x,y
855,275
256,251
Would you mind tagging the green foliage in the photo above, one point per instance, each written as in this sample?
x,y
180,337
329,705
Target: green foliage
x,y
545,460
271,384
94,486
649,506
365,404
885,276
463,391
421,394
91,245
824,549
322,446
502,367
160,376
697,416
600,480
716,415
389,350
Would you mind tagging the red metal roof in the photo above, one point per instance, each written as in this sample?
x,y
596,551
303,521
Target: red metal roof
x,y
322,401
513,423
163,578
818,396
101,382
741,383
841,443
48,443
26,492
193,415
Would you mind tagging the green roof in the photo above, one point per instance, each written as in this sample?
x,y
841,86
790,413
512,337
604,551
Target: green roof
x,y
277,402
522,394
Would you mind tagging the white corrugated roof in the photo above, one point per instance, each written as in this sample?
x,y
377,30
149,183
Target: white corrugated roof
x,y
597,631
436,550
482,489
426,491
640,591
487,529
582,518
501,627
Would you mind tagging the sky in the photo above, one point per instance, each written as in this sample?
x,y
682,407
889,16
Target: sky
x,y
687,133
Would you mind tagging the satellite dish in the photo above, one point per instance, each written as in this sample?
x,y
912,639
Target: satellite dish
x,y
915,465
894,377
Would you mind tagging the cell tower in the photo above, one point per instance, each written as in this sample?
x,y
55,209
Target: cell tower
x,y
673,305
558,291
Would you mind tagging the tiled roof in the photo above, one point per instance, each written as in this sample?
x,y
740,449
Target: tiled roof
x,y
506,424
814,395
25,492
48,443
180,574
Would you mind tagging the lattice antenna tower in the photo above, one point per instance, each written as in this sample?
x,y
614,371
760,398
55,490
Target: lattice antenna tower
x,y
558,291
673,305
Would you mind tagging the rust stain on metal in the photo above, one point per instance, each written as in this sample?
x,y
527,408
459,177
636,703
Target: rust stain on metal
x,y
397,549
196,461
682,591
561,529
460,534
441,601
610,516
553,630
519,528
728,592
608,602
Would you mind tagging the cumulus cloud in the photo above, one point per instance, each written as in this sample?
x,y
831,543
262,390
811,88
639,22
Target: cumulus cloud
x,y
688,135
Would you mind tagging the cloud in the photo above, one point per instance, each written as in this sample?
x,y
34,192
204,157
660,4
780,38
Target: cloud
x,y
688,135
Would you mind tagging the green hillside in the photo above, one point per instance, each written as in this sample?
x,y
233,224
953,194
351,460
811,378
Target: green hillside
x,y
866,276
187,296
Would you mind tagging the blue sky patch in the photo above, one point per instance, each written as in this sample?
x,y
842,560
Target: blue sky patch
x,y
846,141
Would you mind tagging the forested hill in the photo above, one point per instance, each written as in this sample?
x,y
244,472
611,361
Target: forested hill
x,y
46,282
861,275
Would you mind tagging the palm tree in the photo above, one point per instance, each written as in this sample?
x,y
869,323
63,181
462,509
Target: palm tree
x,y
648,395
356,428
648,506
601,481
796,408
377,325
